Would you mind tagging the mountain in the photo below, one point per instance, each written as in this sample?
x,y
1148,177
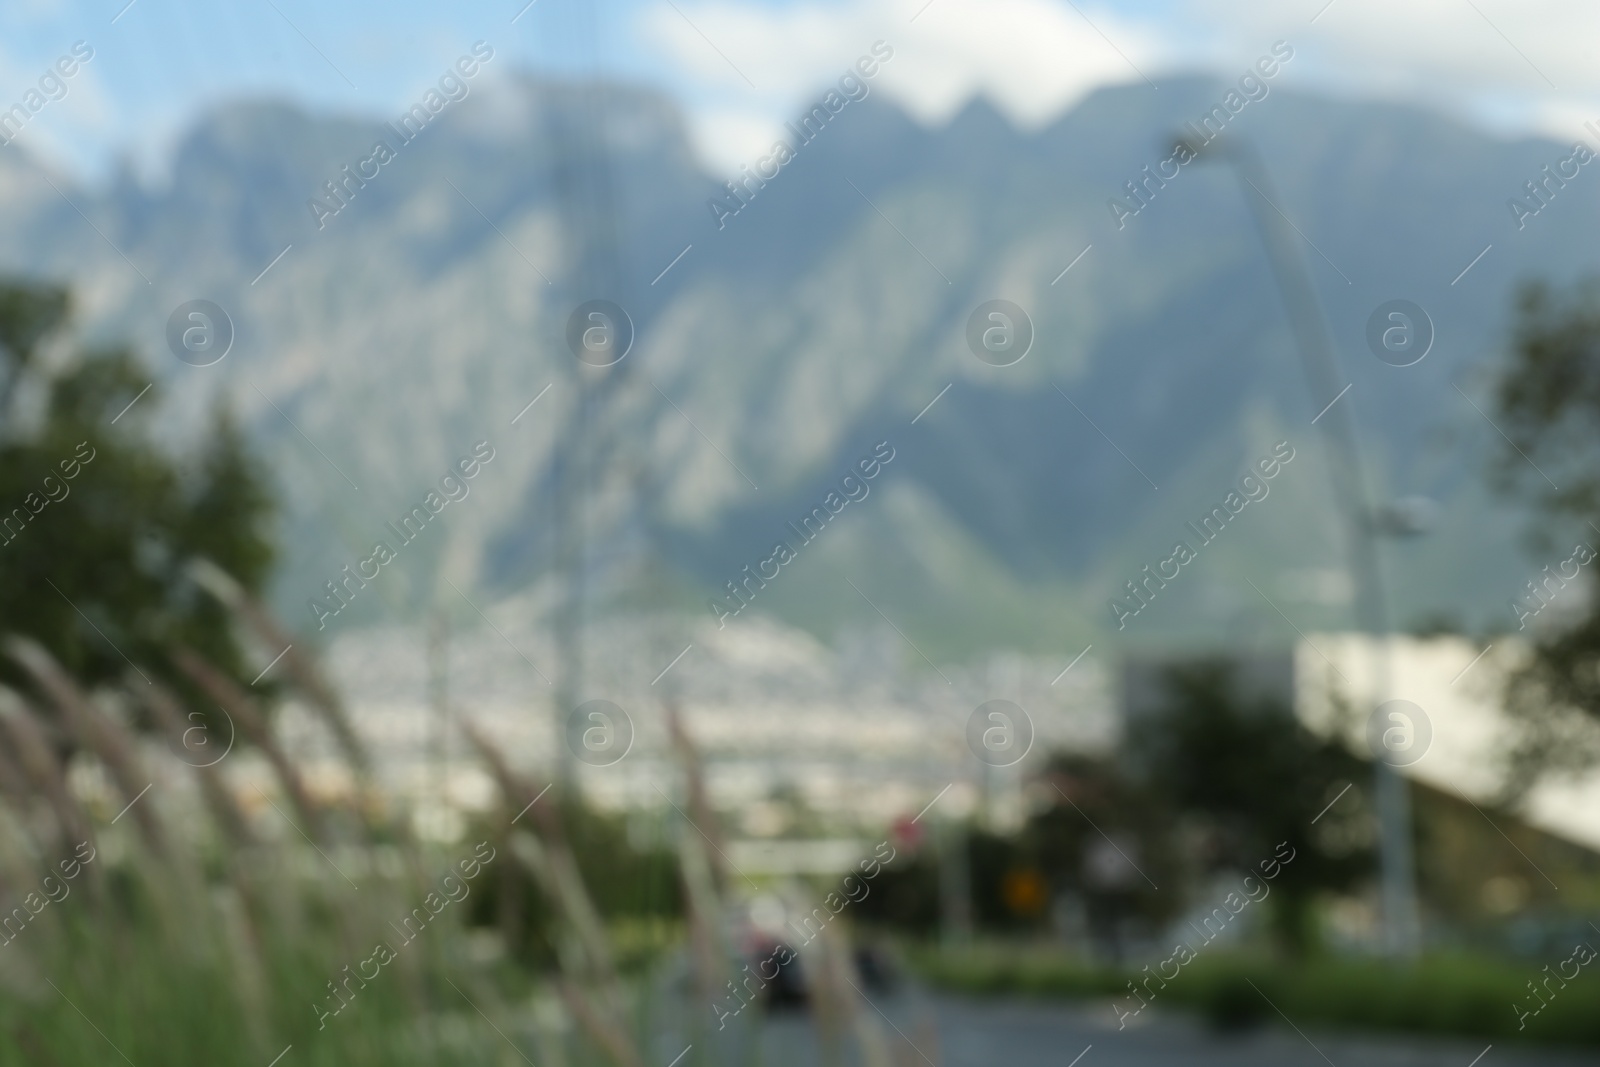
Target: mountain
x,y
779,349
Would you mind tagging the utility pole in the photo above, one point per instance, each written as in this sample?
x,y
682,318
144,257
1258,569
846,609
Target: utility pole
x,y
583,184
955,885
439,700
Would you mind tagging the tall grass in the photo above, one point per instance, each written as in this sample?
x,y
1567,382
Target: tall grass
x,y
130,966
214,937
248,921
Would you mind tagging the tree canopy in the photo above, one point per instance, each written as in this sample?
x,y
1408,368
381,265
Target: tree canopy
x,y
1243,776
98,519
1548,405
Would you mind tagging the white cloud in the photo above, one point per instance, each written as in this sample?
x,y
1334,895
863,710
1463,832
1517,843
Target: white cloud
x,y
1513,65
728,137
1033,58
1485,45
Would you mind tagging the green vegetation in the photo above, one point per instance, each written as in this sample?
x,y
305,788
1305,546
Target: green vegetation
x,y
170,948
1548,397
1211,782
1247,776
98,518
634,887
122,972
1451,994
232,916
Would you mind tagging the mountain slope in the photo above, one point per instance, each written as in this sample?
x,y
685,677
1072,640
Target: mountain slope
x,y
820,320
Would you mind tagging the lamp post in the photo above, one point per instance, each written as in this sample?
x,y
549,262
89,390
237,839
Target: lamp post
x,y
1320,361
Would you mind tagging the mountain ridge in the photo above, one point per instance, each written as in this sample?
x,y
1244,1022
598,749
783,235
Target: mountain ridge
x,y
822,318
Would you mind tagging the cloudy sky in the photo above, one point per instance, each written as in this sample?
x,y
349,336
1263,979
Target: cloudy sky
x,y
741,68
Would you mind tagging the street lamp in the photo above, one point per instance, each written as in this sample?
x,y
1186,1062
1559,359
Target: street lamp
x,y
1320,361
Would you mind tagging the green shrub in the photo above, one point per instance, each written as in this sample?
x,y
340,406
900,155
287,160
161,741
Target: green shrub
x,y
1449,994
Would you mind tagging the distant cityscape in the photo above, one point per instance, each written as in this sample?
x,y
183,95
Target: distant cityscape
x,y
856,736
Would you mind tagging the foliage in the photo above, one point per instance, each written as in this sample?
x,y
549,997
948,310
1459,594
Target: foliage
x,y
634,885
1014,877
1443,994
1213,782
96,574
905,895
144,967
995,969
1548,395
1548,405
1096,806
1245,775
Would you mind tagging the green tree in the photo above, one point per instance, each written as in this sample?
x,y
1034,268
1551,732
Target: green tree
x,y
1548,405
98,520
1094,810
1242,775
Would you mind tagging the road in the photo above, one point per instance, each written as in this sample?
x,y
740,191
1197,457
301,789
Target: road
x,y
942,1031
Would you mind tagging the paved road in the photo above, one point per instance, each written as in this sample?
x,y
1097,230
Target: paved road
x,y
959,1032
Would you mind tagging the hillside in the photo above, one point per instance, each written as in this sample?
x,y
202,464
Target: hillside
x,y
818,322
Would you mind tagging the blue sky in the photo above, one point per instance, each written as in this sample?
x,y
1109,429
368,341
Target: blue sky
x,y
740,69
162,62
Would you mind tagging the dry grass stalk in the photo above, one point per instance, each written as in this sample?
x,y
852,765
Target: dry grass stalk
x,y
827,997
702,873
705,819
242,942
550,1024
242,708
18,796
564,882
842,975
24,859
708,951
13,783
235,901
309,679
301,666
607,1033
23,855
548,857
170,873
840,1005
169,716
926,1051
97,732
38,761
531,855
